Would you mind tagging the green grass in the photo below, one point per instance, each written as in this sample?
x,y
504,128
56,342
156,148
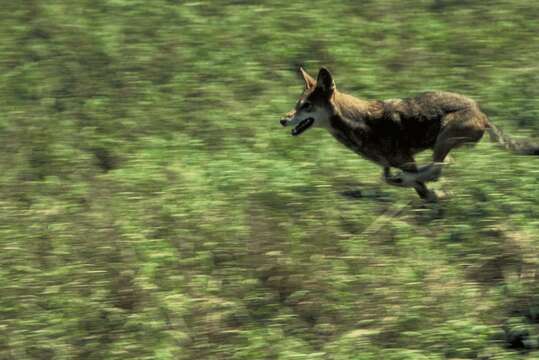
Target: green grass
x,y
151,206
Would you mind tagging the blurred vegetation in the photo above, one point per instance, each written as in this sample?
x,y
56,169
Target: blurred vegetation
x,y
151,206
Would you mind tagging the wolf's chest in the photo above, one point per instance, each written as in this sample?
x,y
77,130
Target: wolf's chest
x,y
348,139
357,144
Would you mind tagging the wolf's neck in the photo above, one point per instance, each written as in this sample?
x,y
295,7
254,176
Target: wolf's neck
x,y
351,112
349,105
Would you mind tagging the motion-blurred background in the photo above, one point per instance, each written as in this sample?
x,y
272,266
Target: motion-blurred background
x,y
151,206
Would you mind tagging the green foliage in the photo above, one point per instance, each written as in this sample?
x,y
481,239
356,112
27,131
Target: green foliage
x,y
152,207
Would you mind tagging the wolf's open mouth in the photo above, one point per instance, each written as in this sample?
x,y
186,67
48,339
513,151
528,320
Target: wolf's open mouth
x,y
302,126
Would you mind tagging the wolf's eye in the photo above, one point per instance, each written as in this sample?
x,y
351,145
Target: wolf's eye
x,y
306,106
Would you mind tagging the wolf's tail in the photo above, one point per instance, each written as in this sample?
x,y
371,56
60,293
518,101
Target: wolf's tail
x,y
522,147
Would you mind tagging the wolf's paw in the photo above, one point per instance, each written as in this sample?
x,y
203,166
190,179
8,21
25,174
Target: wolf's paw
x,y
435,196
403,179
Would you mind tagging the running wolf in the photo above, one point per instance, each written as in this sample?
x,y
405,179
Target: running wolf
x,y
391,132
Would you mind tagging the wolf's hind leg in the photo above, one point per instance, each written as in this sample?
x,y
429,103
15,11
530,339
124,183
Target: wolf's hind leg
x,y
463,127
430,172
467,131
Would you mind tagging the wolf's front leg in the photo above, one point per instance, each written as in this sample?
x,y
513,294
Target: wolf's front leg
x,y
424,193
409,181
426,173
402,179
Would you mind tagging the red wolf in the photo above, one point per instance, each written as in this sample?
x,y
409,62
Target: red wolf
x,y
391,132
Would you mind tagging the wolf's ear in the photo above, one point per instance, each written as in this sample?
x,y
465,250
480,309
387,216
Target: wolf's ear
x,y
309,81
325,81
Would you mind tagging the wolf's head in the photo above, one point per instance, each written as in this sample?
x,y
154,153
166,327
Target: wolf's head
x,y
314,107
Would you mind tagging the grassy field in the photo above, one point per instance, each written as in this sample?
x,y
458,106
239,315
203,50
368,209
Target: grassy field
x,y
151,206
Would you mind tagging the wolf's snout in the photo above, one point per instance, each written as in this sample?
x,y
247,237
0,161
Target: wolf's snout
x,y
284,122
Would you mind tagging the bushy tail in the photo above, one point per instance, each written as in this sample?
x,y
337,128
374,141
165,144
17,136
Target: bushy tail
x,y
521,147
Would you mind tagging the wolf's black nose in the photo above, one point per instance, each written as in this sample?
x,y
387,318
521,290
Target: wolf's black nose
x,y
283,122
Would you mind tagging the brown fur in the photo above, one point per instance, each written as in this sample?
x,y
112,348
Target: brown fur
x,y
391,132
